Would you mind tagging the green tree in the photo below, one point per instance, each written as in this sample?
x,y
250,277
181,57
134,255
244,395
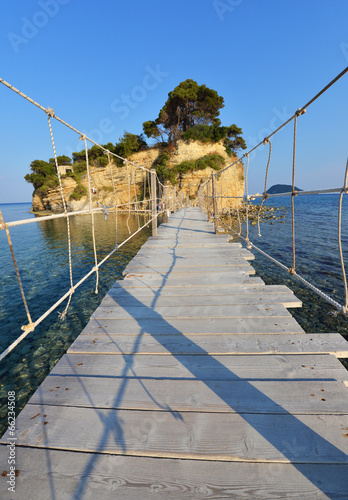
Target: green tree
x,y
42,171
129,144
187,106
62,160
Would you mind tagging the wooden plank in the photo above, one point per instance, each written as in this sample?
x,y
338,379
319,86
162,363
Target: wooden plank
x,y
167,261
190,282
183,311
233,368
162,271
246,290
65,475
187,253
223,275
169,245
205,436
287,299
260,325
331,343
212,396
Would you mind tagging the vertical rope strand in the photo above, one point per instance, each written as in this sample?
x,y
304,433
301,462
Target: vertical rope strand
x,y
129,195
115,197
62,315
292,270
29,326
236,194
267,140
96,269
135,197
247,199
344,190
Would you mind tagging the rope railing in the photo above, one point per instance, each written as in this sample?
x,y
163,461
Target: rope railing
x,y
211,201
152,197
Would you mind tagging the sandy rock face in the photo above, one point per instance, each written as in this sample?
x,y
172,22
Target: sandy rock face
x,y
129,181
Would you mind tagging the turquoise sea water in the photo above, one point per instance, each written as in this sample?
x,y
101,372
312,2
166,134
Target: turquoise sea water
x,y
41,252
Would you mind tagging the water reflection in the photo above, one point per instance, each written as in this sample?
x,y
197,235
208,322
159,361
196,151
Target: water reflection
x,y
41,250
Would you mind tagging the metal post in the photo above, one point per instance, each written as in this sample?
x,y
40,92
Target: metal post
x,y
153,201
215,210
208,202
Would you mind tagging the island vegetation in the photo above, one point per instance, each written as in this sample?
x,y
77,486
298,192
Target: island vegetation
x,y
191,113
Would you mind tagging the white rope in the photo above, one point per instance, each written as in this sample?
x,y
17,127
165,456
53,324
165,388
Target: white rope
x,y
136,197
66,295
303,280
129,231
344,190
247,201
29,326
62,315
237,208
92,214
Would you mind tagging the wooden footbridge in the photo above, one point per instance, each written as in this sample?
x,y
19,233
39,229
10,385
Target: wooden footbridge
x,y
192,380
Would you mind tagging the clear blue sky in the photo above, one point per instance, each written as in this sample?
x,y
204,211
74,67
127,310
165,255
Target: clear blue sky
x,y
265,58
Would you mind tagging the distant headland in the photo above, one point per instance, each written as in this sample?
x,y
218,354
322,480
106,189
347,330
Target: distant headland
x,y
281,188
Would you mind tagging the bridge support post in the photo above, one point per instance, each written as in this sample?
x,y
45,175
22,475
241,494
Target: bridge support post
x,y
208,201
215,209
153,202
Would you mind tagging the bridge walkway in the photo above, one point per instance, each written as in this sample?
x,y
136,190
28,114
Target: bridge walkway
x,y
191,380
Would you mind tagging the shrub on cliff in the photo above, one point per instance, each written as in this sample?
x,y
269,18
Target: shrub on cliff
x,y
165,172
78,192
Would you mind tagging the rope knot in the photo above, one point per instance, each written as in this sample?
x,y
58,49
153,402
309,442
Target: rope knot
x,y
292,271
30,327
50,112
300,111
266,141
82,137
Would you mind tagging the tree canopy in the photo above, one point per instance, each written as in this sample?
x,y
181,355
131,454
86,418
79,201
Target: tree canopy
x,y
187,106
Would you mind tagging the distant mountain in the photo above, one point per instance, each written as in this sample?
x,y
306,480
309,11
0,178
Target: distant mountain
x,y
281,188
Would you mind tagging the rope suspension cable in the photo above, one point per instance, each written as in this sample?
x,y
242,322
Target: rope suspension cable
x,y
96,268
265,195
53,115
344,190
3,225
293,194
129,198
115,197
62,315
66,295
247,203
29,327
236,193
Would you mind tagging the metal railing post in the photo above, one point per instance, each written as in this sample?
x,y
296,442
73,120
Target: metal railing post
x,y
215,210
153,202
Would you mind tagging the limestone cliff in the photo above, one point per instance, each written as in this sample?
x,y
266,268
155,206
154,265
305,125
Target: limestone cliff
x,y
101,178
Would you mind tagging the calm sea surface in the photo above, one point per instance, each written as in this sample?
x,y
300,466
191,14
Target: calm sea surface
x,y
41,252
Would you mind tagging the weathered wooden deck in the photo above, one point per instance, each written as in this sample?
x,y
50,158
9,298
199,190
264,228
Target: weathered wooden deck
x,y
191,380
